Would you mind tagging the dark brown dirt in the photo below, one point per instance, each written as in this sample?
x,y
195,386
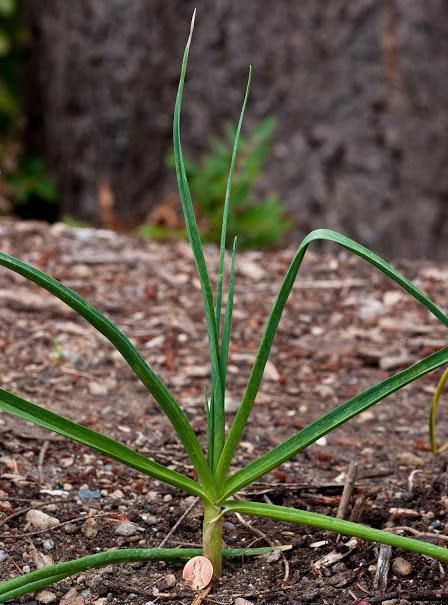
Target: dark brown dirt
x,y
345,328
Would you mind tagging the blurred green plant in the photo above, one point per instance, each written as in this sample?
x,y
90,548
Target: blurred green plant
x,y
31,181
25,184
259,224
10,36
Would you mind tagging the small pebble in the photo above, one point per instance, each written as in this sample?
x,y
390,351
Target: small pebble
x,y
77,600
48,544
170,580
40,559
149,519
69,595
88,494
409,459
241,601
3,555
90,528
117,494
126,529
41,520
45,596
98,389
401,567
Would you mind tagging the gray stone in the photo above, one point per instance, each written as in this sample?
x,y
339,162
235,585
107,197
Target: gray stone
x,y
401,567
41,520
127,528
45,596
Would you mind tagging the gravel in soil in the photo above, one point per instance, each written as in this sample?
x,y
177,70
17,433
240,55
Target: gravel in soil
x,y
345,327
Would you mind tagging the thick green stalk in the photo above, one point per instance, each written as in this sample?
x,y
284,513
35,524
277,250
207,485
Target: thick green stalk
x,y
212,536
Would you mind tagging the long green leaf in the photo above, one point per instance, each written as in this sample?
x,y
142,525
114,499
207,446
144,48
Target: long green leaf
x,y
317,429
201,267
13,404
347,528
210,430
228,319
144,372
271,327
433,415
225,214
38,579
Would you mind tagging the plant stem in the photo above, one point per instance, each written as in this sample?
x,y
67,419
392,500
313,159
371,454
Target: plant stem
x,y
212,536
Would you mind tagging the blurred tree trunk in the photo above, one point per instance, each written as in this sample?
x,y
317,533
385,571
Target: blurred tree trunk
x,y
359,90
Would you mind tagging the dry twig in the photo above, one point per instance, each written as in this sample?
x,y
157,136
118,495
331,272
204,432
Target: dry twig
x,y
348,491
178,522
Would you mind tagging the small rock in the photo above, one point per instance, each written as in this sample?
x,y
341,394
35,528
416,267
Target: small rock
x,y
392,362
401,567
71,528
247,267
41,520
67,461
88,494
78,600
241,601
271,373
3,555
98,389
70,594
45,596
409,459
40,559
149,519
170,580
90,528
117,494
153,496
102,601
48,544
127,529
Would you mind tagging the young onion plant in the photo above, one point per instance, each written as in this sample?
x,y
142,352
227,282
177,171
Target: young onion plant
x,y
215,484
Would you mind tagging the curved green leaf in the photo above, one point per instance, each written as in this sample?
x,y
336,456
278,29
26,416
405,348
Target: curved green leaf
x,y
433,415
145,373
13,404
271,327
38,579
320,427
346,528
225,215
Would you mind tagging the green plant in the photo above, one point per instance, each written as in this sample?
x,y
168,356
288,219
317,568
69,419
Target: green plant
x,y
258,224
436,449
27,185
215,486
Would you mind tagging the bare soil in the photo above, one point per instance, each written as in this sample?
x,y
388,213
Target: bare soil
x,y
345,327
